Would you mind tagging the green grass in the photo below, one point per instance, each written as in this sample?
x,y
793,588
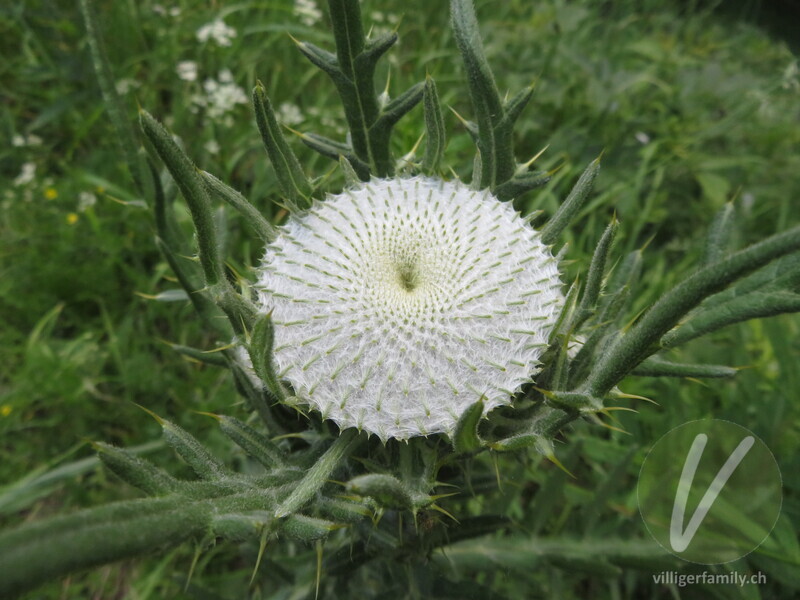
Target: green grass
x,y
690,110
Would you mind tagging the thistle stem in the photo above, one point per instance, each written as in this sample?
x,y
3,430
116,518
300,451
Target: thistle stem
x,y
36,552
318,475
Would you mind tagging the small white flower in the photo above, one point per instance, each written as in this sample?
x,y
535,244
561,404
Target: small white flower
x,y
26,175
173,11
289,114
748,201
221,96
187,70
123,86
791,77
400,303
18,141
218,31
307,12
211,146
326,120
85,200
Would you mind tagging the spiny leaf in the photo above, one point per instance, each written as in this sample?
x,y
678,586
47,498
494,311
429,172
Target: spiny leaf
x,y
435,135
549,497
470,126
293,182
260,399
351,178
571,205
261,344
184,271
514,107
624,276
377,47
494,136
319,473
521,183
136,471
200,355
239,311
307,529
193,189
202,462
263,228
240,527
755,305
544,424
577,400
345,511
641,340
611,306
323,59
465,437
398,107
658,367
386,490
334,150
597,268
779,276
356,86
251,441
348,33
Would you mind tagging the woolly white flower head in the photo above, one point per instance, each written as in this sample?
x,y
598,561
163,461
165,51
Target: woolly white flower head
x,y
400,303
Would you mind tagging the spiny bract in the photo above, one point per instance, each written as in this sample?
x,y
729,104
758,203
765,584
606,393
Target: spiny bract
x,y
399,303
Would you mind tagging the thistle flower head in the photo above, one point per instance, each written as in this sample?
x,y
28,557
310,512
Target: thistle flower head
x,y
400,303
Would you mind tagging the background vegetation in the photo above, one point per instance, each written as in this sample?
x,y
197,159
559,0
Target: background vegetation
x,y
691,108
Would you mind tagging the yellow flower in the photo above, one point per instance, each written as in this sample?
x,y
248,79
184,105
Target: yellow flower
x,y
51,193
72,218
5,410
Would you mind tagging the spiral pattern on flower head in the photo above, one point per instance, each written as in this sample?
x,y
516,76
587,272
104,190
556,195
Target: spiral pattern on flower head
x,y
400,303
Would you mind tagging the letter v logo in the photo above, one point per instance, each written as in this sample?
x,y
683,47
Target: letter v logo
x,y
678,539
709,491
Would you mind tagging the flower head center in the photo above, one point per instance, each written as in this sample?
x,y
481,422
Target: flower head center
x,y
404,272
407,275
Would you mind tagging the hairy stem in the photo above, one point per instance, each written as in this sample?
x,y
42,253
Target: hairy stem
x,y
36,552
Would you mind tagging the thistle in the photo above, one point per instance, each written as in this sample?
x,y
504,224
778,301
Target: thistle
x,y
412,307
399,303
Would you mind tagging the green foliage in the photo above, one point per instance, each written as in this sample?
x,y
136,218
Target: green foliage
x,y
693,116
